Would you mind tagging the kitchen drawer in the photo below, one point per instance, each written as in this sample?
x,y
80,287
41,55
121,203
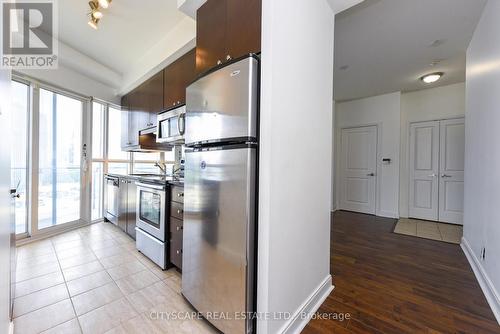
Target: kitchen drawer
x,y
151,248
177,210
175,225
177,194
176,250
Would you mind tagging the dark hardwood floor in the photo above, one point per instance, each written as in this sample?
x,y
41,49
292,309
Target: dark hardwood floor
x,y
392,283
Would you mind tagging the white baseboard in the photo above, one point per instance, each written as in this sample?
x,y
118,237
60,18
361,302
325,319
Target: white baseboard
x,y
482,277
297,323
387,214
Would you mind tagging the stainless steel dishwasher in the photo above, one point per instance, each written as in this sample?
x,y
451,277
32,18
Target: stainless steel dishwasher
x,y
111,203
127,208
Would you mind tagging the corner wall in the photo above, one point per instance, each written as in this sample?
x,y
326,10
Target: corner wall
x,y
482,154
295,161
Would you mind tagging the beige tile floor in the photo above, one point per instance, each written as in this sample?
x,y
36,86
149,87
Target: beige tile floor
x,y
430,230
93,280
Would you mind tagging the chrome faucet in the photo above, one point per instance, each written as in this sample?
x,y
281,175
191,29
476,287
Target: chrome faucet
x,y
162,166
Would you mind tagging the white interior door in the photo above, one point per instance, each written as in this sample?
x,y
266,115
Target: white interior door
x,y
358,169
451,174
424,170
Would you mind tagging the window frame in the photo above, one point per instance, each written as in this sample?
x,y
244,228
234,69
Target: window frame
x,y
33,133
105,160
26,233
33,232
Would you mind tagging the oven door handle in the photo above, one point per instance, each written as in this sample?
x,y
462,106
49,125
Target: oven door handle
x,y
150,186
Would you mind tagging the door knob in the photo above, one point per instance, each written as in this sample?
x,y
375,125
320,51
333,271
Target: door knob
x,y
371,174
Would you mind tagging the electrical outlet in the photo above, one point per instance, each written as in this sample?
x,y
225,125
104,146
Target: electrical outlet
x,y
483,253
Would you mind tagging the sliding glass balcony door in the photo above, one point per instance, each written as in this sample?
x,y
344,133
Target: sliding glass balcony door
x,y
59,159
19,153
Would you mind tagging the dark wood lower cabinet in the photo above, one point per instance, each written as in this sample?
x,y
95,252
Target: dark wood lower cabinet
x,y
176,249
176,225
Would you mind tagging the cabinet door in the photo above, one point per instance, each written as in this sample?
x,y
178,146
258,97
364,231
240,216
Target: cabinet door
x,y
152,91
150,100
136,123
243,27
125,121
171,82
134,117
177,76
210,34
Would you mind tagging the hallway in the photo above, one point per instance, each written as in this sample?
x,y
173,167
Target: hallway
x,y
392,283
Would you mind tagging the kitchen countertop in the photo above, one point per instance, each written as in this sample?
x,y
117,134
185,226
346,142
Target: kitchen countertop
x,y
152,178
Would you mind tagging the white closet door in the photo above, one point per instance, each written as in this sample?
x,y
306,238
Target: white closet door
x,y
358,168
451,175
424,170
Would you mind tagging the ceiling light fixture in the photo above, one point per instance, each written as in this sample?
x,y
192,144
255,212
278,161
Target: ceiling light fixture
x,y
432,77
93,22
95,11
104,3
97,14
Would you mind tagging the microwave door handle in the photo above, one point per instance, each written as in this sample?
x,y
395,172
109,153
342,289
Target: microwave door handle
x,y
181,119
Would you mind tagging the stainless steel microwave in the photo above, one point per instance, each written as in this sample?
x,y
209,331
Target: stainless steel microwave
x,y
171,126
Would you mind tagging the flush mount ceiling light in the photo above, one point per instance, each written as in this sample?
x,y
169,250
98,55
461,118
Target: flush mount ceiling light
x,y
95,11
432,77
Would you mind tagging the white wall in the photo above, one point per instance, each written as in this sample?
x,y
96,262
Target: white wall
x,y
482,154
174,44
425,105
295,143
384,111
334,167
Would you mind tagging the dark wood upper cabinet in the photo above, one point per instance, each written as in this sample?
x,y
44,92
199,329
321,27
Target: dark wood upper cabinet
x,y
151,93
176,78
210,34
227,29
243,27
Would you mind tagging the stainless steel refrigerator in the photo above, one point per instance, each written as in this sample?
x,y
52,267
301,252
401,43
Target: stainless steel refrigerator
x,y
218,265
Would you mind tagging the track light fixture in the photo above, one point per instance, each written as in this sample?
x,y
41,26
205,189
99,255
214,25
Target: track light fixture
x,y
95,11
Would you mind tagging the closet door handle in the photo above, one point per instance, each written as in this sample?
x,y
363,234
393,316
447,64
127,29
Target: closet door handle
x,y
445,175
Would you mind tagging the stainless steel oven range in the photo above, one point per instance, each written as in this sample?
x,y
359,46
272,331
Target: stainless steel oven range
x,y
151,238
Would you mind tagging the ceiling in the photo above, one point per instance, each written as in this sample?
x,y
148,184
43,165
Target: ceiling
x,y
127,31
384,46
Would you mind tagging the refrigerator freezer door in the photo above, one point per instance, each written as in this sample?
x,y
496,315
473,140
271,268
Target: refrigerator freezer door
x,y
218,239
222,106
